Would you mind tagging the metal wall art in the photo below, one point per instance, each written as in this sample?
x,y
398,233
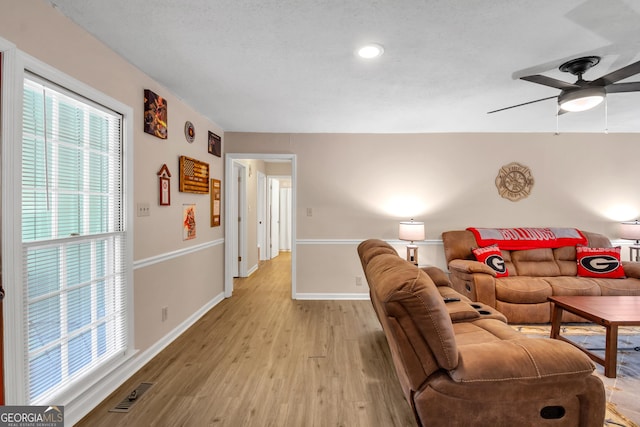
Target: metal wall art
x,y
514,181
189,132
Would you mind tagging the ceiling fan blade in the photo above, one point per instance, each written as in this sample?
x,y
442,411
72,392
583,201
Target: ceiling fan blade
x,y
520,105
549,81
616,76
623,87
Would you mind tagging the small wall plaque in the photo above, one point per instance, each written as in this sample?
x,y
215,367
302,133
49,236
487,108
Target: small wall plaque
x,y
164,177
215,202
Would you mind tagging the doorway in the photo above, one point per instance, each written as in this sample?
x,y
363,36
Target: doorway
x,y
243,238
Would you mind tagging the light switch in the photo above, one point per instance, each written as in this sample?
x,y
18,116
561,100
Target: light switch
x,y
143,209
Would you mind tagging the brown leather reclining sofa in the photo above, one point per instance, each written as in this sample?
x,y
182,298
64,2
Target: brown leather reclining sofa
x,y
460,364
533,275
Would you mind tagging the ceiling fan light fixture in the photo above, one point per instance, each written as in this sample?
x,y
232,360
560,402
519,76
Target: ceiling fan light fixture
x,y
581,99
370,51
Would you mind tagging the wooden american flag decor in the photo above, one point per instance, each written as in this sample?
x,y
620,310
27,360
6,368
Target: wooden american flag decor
x,y
194,176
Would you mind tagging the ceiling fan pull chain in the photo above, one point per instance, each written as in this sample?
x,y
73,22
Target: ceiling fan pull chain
x,y
557,119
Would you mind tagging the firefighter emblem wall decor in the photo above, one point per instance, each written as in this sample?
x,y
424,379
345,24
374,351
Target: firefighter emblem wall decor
x,y
514,181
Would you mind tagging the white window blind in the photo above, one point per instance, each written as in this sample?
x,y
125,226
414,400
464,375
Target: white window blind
x,y
73,239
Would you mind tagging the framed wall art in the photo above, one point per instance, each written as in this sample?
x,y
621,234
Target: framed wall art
x,y
194,176
215,202
188,222
155,114
215,144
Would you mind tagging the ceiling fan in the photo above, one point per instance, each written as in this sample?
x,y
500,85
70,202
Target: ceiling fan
x,y
583,94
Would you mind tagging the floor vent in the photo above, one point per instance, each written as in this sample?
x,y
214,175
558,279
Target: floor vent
x,y
132,398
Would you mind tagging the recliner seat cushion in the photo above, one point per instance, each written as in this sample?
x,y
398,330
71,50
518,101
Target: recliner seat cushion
x,y
524,290
525,358
618,287
565,285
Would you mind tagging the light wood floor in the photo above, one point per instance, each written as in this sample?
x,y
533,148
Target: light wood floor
x,y
263,359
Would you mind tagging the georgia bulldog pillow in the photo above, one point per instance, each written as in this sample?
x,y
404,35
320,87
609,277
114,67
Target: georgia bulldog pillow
x,y
599,262
491,256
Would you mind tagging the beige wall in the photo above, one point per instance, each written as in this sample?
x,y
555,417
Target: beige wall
x,y
360,186
279,168
166,273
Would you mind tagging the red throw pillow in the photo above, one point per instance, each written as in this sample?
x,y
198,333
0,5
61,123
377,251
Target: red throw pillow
x,y
599,262
492,257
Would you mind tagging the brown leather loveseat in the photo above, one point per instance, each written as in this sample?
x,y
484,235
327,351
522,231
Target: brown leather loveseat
x,y
533,276
460,364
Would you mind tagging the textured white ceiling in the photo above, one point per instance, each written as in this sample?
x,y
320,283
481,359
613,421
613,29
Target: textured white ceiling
x,y
289,65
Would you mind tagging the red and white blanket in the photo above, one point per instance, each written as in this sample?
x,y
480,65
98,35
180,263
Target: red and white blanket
x,y
528,238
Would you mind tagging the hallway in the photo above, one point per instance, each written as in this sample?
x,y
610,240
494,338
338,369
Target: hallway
x,y
262,359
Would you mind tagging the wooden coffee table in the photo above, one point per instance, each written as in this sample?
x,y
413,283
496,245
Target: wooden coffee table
x,y
608,311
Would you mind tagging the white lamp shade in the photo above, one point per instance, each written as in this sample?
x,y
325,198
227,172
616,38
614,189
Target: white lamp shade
x,y
630,230
411,230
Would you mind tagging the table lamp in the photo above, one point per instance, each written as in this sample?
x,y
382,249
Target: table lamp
x,y
411,231
630,230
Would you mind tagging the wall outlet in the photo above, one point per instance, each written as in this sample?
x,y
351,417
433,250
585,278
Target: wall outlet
x,y
309,211
165,313
358,281
143,209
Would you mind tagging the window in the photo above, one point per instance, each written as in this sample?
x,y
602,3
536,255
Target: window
x,y
73,239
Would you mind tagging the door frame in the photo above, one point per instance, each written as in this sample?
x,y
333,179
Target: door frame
x,y
232,199
238,217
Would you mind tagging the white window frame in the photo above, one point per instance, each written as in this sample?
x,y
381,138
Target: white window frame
x,y
14,65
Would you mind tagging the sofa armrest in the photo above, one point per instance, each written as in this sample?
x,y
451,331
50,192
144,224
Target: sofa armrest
x,y
470,266
474,280
631,269
519,359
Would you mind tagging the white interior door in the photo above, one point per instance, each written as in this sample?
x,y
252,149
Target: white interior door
x,y
285,219
274,217
262,217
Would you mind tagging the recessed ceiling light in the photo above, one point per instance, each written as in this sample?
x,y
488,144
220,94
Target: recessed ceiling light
x,y
370,51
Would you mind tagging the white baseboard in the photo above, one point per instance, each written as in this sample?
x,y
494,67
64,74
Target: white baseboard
x,y
306,296
252,270
80,407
